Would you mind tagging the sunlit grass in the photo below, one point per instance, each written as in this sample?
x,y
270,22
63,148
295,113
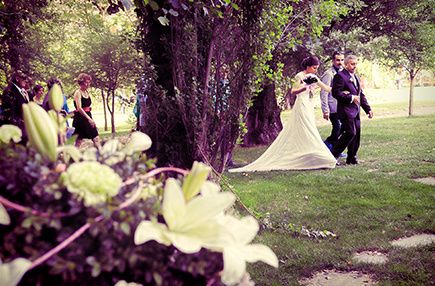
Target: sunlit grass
x,y
366,206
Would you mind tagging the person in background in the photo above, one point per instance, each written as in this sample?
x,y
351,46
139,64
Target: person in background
x,y
83,123
38,92
328,102
28,87
14,96
298,145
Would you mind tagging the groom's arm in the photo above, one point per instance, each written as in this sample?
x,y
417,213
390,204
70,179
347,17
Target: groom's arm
x,y
338,90
364,103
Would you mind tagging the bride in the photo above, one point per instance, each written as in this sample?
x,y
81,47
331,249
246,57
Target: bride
x,y
299,145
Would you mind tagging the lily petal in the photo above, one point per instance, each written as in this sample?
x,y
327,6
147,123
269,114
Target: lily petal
x,y
4,216
12,272
259,252
234,266
174,206
184,242
208,188
244,230
203,208
147,230
213,235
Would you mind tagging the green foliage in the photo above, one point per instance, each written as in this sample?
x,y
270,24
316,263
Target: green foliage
x,y
75,36
16,53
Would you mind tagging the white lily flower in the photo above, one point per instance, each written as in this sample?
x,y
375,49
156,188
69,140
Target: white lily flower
x,y
189,225
238,251
209,187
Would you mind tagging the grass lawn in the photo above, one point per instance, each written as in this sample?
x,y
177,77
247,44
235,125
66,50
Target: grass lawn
x,y
366,206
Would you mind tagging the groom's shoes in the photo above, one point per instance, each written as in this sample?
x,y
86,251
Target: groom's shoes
x,y
352,161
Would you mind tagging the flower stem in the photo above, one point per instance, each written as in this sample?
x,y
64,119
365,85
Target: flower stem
x,y
86,226
64,243
24,209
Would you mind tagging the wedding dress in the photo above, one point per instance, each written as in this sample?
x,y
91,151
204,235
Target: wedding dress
x,y
299,145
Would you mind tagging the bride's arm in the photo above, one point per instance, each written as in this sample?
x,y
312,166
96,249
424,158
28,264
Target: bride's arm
x,y
298,85
296,91
323,86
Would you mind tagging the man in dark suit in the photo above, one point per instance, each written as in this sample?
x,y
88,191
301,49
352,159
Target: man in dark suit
x,y
14,96
346,88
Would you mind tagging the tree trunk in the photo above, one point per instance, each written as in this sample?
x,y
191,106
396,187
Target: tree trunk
x,y
104,109
411,93
112,121
263,120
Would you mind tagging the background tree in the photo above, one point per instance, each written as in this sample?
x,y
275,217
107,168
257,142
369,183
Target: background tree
x,y
400,34
115,63
286,25
81,36
190,116
411,43
15,15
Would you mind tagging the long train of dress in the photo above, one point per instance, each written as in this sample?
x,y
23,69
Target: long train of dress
x,y
298,146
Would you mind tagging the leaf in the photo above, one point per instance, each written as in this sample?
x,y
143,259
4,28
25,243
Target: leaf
x,y
70,151
110,147
163,20
153,5
4,217
125,227
12,272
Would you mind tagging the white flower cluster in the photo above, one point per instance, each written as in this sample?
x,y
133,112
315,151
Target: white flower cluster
x,y
194,216
92,181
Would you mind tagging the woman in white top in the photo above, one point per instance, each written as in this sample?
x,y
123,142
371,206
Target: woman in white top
x,y
299,145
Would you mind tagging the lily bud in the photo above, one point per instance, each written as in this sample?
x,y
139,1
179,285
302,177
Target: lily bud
x,y
138,142
40,130
53,116
195,179
10,133
55,98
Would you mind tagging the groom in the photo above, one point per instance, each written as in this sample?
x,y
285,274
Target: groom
x,y
346,88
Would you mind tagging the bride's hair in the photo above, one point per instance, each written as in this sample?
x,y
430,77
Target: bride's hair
x,y
310,61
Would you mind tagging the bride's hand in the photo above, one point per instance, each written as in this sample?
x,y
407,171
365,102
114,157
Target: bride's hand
x,y
310,86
